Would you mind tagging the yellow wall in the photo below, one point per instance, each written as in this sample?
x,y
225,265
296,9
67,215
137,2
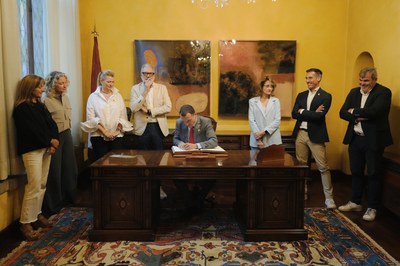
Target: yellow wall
x,y
10,206
319,27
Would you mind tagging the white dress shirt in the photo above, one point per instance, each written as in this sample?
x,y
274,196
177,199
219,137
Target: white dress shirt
x,y
357,127
310,97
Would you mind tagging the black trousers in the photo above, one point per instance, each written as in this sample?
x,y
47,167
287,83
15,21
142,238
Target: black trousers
x,y
152,138
361,156
102,147
62,179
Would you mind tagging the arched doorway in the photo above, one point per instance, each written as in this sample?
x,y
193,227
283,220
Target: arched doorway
x,y
363,60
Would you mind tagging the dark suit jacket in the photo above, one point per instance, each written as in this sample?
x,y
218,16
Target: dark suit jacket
x,y
316,124
203,133
376,110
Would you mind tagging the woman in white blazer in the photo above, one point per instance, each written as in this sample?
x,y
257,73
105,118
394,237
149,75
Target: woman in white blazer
x,y
265,117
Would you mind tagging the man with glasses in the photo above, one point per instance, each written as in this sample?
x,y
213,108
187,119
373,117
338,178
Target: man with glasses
x,y
150,104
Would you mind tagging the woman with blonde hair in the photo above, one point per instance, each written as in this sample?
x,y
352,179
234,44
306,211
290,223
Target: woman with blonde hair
x,y
37,140
62,179
106,116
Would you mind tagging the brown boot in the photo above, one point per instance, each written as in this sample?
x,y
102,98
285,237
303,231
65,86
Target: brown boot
x,y
42,222
28,232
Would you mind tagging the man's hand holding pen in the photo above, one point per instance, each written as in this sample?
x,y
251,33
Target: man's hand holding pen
x,y
187,146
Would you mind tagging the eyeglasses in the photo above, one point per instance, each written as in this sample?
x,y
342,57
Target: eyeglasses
x,y
148,74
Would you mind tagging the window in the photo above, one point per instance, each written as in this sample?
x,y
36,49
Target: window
x,y
32,28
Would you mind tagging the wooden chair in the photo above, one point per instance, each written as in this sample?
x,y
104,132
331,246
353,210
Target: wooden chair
x,y
214,123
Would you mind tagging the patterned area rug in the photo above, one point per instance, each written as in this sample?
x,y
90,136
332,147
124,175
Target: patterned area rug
x,y
212,239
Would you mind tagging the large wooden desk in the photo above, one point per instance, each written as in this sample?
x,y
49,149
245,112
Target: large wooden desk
x,y
269,197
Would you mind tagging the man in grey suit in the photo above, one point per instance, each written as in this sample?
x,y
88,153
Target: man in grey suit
x,y
203,132
194,132
310,131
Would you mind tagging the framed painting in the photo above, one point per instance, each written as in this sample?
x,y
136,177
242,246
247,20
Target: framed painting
x,y
243,64
182,66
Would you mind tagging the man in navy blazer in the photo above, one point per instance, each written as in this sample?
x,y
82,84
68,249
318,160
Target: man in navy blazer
x,y
194,132
310,131
368,133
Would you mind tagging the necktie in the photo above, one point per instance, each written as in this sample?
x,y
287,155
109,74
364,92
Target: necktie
x,y
191,135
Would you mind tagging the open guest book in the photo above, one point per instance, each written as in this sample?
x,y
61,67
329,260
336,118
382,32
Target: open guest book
x,y
199,153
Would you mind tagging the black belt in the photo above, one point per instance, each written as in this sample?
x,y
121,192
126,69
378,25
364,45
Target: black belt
x,y
304,129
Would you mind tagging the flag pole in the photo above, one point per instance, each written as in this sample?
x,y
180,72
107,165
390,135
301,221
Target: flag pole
x,y
96,66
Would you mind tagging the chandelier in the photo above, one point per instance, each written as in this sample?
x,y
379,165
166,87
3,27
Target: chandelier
x,y
217,3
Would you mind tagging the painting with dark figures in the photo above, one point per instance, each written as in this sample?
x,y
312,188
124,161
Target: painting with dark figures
x,y
243,64
182,66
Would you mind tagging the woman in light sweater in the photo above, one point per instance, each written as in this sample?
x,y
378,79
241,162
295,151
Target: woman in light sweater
x,y
62,179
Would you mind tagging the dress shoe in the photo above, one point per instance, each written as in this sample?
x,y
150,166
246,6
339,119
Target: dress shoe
x,y
369,215
350,206
28,232
42,222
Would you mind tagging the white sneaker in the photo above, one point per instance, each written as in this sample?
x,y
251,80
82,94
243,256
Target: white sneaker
x,y
330,204
350,206
369,215
163,195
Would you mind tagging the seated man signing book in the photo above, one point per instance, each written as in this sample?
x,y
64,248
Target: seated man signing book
x,y
194,132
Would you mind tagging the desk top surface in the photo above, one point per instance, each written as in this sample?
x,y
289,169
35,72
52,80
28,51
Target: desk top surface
x,y
164,158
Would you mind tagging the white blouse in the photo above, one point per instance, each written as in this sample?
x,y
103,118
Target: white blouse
x,y
108,111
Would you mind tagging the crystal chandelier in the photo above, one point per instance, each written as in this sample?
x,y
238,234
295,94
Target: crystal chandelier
x,y
217,3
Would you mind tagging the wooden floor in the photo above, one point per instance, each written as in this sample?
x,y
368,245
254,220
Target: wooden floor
x,y
385,230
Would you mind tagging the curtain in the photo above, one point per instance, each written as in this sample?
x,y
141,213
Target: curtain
x,y
10,69
62,38
4,161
